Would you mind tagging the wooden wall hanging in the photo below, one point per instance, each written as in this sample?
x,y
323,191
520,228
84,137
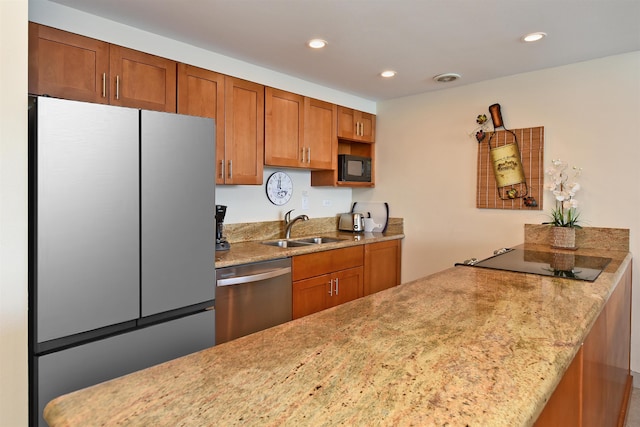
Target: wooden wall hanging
x,y
531,144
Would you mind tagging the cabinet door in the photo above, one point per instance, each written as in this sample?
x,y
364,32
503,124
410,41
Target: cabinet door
x,y
284,129
66,65
347,286
244,131
201,93
564,405
141,80
382,266
346,123
320,134
606,358
356,125
367,127
310,295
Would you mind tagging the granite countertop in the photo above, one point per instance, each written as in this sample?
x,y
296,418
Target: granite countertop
x,y
465,346
253,251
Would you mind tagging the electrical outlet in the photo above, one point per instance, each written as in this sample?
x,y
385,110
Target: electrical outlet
x,y
326,203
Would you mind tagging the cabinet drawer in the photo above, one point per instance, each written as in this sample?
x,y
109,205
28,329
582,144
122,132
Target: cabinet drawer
x,y
315,264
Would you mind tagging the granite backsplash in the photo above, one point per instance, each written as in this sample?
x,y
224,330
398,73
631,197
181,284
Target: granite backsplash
x,y
249,231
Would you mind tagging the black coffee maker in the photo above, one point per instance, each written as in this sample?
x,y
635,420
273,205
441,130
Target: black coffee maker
x,y
221,241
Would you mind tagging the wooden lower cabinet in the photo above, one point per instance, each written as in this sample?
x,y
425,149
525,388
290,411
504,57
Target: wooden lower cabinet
x,y
317,293
596,387
326,279
381,266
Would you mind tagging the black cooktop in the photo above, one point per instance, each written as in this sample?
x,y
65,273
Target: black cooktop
x,y
558,264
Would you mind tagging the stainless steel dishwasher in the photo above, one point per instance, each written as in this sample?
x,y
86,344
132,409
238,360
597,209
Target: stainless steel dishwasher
x,y
252,297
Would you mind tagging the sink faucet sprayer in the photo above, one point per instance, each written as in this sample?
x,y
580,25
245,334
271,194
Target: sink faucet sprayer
x,y
289,222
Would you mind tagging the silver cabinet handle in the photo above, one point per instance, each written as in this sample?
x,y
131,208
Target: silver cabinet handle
x,y
230,169
117,87
331,287
302,154
308,154
238,280
336,286
222,168
104,85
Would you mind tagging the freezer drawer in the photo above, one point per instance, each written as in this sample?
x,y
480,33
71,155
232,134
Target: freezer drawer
x,y
78,367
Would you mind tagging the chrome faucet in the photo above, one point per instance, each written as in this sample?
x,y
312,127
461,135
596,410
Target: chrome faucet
x,y
289,222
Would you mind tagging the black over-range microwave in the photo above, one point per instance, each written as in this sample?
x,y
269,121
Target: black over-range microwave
x,y
354,168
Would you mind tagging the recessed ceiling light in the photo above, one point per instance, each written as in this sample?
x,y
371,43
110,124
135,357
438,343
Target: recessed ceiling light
x,y
446,77
533,37
316,43
388,73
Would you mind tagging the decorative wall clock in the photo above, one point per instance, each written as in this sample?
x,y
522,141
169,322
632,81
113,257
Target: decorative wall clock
x,y
279,188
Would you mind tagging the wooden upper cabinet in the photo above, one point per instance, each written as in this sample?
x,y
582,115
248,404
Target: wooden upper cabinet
x,y
299,131
70,66
320,133
141,80
356,125
201,93
284,129
66,65
244,131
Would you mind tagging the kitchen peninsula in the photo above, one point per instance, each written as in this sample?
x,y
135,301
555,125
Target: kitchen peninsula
x,y
465,346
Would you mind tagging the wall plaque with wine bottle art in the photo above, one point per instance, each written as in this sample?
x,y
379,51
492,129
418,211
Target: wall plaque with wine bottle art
x,y
510,166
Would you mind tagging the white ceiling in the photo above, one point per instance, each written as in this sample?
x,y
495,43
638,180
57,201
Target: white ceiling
x,y
479,39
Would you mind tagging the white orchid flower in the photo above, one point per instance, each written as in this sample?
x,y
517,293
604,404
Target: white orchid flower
x,y
564,214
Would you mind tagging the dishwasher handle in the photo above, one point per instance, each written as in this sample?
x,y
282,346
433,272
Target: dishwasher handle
x,y
238,280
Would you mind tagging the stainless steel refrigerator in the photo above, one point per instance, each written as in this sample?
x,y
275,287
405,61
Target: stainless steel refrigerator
x,y
122,242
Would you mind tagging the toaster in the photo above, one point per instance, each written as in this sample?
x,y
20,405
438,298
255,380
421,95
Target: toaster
x,y
353,221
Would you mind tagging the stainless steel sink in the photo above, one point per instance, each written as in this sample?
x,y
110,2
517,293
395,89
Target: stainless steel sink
x,y
318,240
286,243
307,241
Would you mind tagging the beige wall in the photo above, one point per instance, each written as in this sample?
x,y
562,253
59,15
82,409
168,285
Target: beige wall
x,y
13,213
426,161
